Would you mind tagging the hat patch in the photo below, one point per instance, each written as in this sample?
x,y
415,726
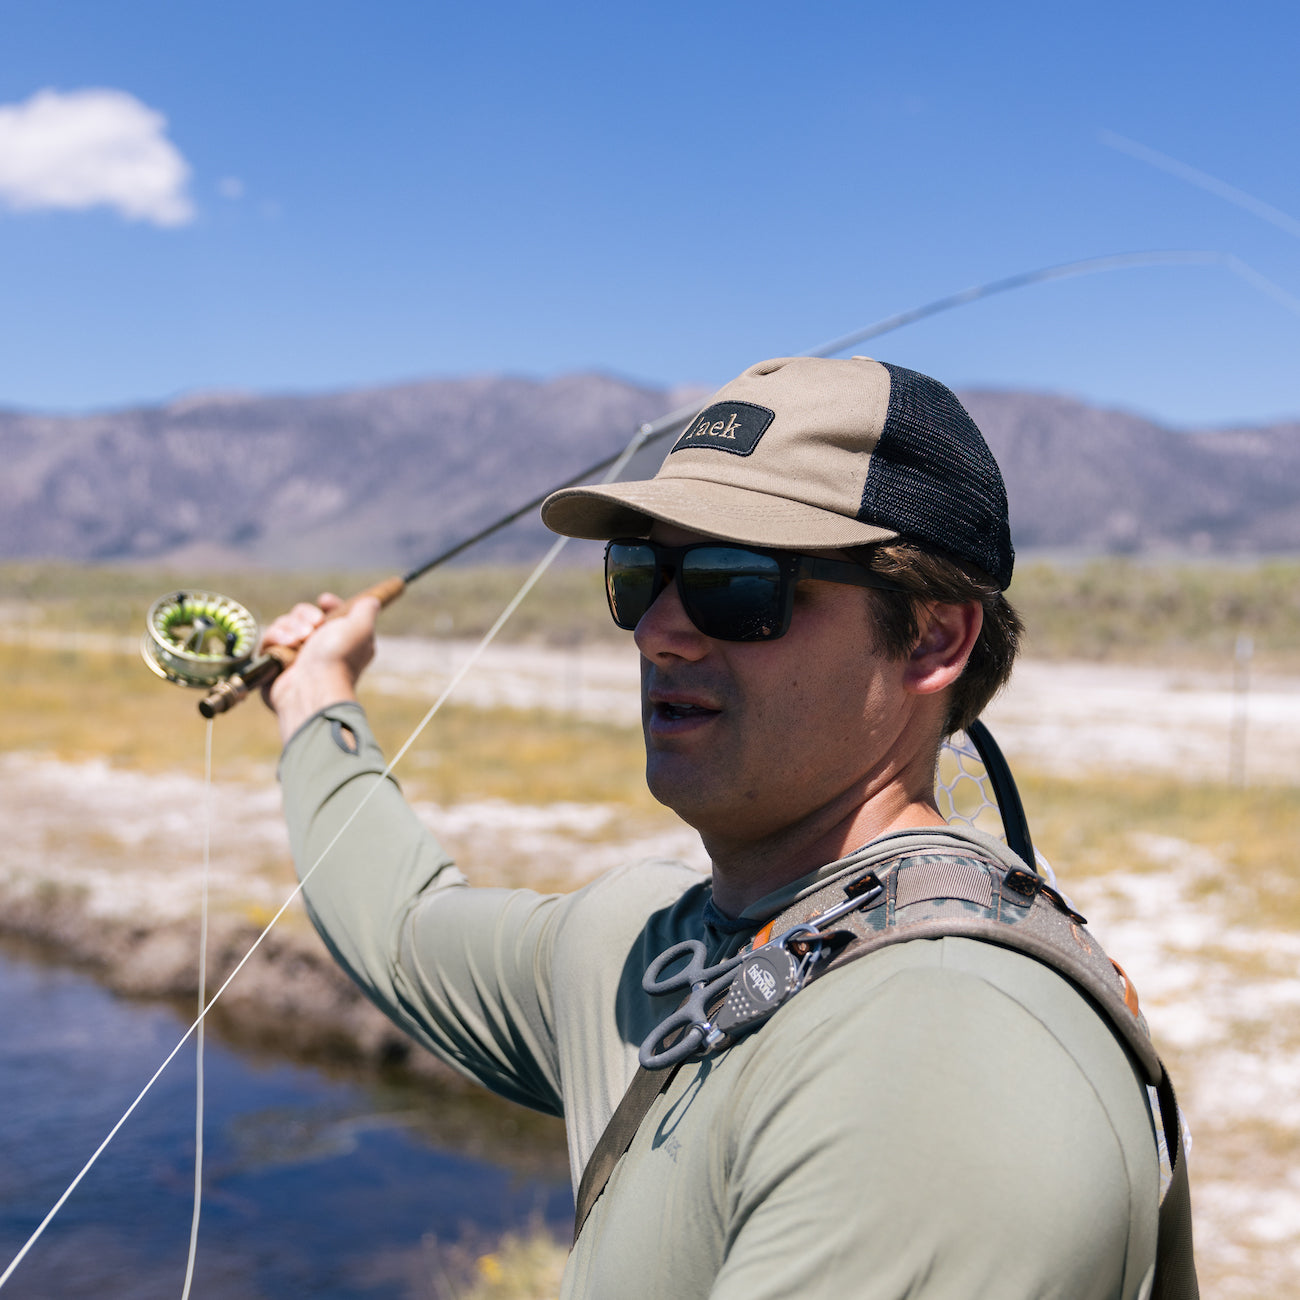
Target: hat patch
x,y
727,426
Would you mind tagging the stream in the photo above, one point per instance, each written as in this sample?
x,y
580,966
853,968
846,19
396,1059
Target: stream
x,y
315,1184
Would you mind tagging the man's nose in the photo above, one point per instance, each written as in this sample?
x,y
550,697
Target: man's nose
x,y
666,632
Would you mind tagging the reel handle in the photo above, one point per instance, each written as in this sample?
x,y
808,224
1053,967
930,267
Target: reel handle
x,y
267,667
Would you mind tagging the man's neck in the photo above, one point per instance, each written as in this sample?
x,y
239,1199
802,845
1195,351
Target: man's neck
x,y
744,872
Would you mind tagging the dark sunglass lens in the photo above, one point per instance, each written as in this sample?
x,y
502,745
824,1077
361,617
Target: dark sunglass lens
x,y
629,582
731,593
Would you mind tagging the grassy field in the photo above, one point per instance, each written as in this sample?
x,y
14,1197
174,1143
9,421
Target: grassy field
x,y
78,704
1113,609
1194,879
1087,829
567,606
1132,612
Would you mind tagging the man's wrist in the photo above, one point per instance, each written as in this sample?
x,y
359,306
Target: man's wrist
x,y
301,701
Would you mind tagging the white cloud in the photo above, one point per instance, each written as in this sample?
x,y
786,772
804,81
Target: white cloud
x,y
87,148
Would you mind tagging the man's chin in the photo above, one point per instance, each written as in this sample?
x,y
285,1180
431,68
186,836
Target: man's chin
x,y
679,784
694,793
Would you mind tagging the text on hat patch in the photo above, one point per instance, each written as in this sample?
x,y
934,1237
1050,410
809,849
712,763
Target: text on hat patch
x,y
727,426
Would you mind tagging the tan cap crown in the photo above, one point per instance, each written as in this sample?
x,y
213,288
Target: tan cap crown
x,y
807,452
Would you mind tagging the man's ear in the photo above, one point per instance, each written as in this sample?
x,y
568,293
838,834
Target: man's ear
x,y
948,635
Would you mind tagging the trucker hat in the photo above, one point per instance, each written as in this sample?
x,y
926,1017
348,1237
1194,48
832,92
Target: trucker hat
x,y
809,452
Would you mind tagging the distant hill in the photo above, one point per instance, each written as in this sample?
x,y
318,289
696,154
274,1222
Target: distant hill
x,y
385,477
379,477
1082,477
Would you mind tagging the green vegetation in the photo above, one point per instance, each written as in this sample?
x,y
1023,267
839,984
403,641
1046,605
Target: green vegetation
x,y
521,1265
78,704
1086,828
1184,615
82,704
95,699
524,1266
567,606
1117,609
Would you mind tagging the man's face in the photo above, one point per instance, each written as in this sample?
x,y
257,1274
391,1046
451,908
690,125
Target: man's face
x,y
746,739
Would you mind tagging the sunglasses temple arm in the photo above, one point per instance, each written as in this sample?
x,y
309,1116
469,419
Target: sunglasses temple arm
x,y
846,571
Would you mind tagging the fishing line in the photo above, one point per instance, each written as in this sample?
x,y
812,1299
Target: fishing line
x,y
614,465
203,991
1202,180
653,433
529,583
1061,271
1262,282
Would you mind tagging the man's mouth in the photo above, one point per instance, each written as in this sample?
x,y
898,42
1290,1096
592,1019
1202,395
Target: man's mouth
x,y
674,714
672,711
678,708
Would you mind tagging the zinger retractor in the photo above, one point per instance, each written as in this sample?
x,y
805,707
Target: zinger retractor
x,y
198,638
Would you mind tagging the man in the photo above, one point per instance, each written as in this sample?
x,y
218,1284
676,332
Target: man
x,y
813,580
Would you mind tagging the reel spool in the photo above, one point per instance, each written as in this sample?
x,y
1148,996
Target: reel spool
x,y
198,638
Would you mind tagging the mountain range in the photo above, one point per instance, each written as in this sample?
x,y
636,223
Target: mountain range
x,y
384,477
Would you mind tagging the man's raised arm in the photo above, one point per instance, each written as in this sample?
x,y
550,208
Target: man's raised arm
x,y
382,892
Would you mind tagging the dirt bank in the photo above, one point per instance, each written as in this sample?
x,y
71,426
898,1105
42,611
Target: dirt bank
x,y
101,867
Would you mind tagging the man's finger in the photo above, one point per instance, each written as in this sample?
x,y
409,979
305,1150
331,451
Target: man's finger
x,y
364,611
293,628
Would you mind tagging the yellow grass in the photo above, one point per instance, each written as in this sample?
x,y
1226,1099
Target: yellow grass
x,y
76,705
80,704
1172,614
520,1265
568,604
1121,610
1086,828
84,704
524,1266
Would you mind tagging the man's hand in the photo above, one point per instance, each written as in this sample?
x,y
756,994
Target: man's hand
x,y
332,654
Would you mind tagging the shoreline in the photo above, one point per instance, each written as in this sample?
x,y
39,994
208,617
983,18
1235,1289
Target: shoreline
x,y
290,999
99,872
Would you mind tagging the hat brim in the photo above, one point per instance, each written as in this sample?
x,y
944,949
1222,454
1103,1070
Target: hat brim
x,y
701,506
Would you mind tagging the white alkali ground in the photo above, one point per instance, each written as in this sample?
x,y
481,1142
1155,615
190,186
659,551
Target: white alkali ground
x,y
128,844
559,845
1223,999
1223,1003
1151,719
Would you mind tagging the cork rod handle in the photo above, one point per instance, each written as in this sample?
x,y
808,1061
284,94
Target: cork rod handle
x,y
267,667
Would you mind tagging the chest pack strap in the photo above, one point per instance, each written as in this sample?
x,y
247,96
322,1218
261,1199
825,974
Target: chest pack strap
x,y
1175,1260
646,1085
938,895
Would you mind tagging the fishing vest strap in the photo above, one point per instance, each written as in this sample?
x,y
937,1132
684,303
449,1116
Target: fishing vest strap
x,y
939,895
1175,1261
646,1085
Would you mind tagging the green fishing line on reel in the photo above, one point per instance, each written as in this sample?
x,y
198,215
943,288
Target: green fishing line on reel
x,y
198,638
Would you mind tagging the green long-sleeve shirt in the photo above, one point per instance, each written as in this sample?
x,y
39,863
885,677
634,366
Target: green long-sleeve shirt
x,y
942,1118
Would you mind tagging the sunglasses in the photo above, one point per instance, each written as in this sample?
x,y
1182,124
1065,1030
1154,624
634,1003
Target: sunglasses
x,y
730,593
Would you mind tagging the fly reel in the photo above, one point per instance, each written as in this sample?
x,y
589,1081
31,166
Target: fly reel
x,y
201,639
198,638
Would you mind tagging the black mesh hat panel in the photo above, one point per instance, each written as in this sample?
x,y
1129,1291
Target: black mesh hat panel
x,y
933,479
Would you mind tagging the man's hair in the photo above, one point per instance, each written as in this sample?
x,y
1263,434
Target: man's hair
x,y
930,577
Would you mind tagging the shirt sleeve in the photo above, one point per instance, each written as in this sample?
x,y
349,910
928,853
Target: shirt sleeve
x,y
941,1143
465,972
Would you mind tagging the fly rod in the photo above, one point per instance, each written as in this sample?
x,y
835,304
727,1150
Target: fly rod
x,y
207,641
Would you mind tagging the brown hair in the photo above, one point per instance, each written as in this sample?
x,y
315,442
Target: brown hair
x,y
930,577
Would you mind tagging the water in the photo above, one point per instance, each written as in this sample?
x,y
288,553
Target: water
x,y
314,1186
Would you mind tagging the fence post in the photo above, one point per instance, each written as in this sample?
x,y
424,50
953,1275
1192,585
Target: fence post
x,y
1240,710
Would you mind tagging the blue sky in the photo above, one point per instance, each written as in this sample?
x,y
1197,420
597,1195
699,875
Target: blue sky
x,y
348,194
